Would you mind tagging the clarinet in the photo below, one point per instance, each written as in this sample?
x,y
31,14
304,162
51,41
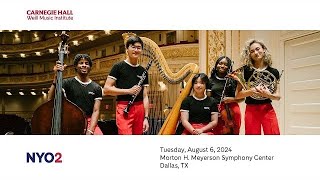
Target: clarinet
x,y
143,77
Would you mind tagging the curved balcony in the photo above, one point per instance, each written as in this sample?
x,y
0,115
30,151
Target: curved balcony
x,y
47,44
176,55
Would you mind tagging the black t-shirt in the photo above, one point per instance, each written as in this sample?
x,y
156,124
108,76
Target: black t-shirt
x,y
126,76
82,94
200,110
216,86
250,72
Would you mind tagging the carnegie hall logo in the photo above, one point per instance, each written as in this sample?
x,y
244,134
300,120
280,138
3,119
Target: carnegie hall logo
x,y
49,15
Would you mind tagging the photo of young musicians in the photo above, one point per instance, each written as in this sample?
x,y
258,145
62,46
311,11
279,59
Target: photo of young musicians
x,y
259,110
123,82
199,113
82,91
222,88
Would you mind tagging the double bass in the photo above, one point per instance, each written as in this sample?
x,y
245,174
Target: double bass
x,y
59,115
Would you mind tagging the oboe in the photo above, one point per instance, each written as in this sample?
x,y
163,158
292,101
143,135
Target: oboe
x,y
142,78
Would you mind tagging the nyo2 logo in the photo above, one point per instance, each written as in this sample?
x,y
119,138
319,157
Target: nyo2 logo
x,y
44,157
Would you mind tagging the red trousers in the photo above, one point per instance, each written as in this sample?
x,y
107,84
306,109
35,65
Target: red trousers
x,y
197,126
219,129
258,115
97,130
132,123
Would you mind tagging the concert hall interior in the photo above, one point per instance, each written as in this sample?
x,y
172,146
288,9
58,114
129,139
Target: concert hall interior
x,y
27,58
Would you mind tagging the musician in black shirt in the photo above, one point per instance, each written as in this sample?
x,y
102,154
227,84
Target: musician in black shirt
x,y
82,91
122,82
262,88
199,113
218,80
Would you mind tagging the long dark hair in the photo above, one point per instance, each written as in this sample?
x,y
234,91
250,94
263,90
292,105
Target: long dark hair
x,y
214,70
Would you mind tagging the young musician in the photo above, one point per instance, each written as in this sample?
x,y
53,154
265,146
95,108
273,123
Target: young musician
x,y
82,91
199,113
218,80
259,111
122,82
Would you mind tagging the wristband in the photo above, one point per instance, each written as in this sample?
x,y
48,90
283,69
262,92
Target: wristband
x,y
91,132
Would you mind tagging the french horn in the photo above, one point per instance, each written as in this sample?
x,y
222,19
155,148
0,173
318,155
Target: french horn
x,y
264,78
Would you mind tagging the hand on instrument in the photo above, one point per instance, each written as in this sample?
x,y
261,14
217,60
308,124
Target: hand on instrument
x,y
254,90
227,100
263,90
233,76
59,66
134,90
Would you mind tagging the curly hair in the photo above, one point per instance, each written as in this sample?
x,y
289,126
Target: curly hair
x,y
78,57
245,55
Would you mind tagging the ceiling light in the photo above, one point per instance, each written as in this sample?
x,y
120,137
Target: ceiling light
x,y
16,35
38,53
33,93
51,50
90,37
21,93
4,56
23,55
108,32
44,93
8,93
76,43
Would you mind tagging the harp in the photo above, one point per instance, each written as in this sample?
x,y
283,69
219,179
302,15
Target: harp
x,y
165,92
